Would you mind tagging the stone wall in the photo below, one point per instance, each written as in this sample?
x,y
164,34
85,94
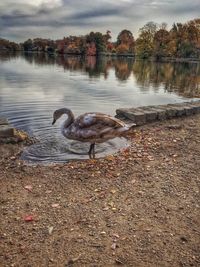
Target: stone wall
x,y
147,114
8,134
6,130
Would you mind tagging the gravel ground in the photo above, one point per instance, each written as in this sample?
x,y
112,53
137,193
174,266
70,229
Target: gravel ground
x,y
138,208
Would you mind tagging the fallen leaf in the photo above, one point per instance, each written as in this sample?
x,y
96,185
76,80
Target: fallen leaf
x,y
97,190
103,233
28,218
28,187
50,229
114,245
55,205
110,157
73,260
111,204
116,235
118,261
126,150
113,191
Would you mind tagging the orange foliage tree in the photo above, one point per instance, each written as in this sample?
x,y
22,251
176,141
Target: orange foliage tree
x,y
125,42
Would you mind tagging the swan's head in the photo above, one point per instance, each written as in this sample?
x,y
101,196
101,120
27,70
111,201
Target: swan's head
x,y
57,114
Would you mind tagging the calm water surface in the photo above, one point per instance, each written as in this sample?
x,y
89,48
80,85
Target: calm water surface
x,y
32,86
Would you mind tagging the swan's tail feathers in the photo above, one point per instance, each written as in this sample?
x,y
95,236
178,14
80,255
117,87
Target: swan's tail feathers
x,y
131,126
126,128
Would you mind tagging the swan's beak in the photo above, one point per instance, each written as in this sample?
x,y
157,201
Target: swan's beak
x,y
54,120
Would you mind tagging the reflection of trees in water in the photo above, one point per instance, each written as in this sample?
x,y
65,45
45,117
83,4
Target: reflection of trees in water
x,y
7,56
40,58
91,65
69,63
95,67
149,74
123,68
185,79
182,78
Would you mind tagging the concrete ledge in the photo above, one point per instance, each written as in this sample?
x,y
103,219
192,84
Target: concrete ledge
x,y
143,115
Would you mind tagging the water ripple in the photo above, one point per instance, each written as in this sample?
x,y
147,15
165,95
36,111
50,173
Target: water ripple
x,y
59,151
29,93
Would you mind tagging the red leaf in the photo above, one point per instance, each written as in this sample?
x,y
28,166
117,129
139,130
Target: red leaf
x,y
28,218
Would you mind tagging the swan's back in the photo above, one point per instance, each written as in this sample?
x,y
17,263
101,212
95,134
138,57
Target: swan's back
x,y
95,127
98,120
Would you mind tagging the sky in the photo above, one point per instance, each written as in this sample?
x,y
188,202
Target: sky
x,y
54,19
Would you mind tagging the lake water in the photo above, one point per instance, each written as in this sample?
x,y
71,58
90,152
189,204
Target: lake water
x,y
32,86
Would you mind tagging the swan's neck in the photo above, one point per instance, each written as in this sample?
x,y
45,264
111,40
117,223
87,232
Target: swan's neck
x,y
69,120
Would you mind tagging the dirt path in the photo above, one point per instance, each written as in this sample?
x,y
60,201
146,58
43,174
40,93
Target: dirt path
x,y
138,208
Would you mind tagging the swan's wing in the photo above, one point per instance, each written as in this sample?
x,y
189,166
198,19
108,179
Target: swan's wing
x,y
98,121
96,127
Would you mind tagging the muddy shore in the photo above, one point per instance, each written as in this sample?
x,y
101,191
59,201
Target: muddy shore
x,y
140,207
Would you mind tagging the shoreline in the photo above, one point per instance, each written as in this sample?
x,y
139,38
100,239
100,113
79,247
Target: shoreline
x,y
139,116
112,55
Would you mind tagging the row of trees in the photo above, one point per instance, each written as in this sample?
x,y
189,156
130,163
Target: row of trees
x,y
182,40
8,46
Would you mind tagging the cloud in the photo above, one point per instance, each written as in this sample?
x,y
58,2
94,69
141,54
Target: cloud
x,y
20,19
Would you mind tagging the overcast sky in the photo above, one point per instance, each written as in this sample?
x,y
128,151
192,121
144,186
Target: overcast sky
x,y
23,19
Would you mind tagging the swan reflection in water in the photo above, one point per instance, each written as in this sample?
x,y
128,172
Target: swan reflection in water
x,y
93,127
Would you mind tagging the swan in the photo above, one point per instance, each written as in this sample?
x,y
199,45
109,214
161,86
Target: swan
x,y
93,127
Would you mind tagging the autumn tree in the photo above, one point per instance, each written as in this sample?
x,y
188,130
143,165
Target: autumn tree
x,y
107,37
125,42
144,43
75,45
7,45
39,43
108,44
122,49
96,38
160,43
193,35
28,45
110,47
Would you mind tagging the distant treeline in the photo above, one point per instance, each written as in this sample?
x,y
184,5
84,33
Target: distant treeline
x,y
181,41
